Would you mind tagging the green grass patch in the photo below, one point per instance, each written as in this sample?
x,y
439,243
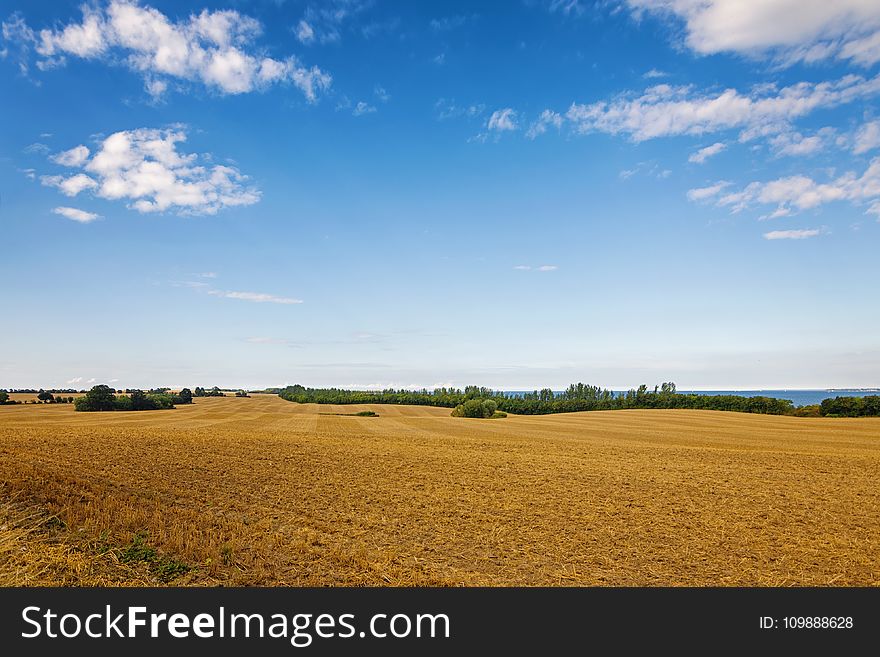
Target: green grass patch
x,y
138,551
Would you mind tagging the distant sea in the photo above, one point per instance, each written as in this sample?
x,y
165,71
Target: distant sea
x,y
797,397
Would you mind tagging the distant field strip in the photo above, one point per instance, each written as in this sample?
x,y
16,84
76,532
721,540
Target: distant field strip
x,y
262,491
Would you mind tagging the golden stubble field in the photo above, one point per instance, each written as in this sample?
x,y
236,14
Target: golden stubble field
x,y
261,491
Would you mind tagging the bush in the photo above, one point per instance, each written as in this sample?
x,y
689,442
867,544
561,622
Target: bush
x,y
160,401
813,410
4,396
123,403
486,408
185,396
45,396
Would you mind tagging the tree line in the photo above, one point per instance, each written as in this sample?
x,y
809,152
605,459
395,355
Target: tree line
x,y
104,398
582,397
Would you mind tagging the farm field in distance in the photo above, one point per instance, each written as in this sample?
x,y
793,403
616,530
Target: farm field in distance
x,y
261,491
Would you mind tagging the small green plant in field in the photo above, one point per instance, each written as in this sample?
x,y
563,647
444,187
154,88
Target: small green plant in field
x,y
139,552
227,555
367,414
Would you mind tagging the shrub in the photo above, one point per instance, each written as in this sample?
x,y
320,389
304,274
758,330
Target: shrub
x,y
160,401
45,396
4,396
123,403
486,408
185,396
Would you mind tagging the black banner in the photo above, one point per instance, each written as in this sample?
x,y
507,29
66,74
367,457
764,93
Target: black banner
x,y
432,621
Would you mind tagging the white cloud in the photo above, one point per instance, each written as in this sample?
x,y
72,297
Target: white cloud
x,y
70,186
664,110
655,73
867,137
448,109
502,120
363,108
703,193
787,30
791,234
796,144
256,297
304,32
72,158
322,21
36,149
798,193
76,379
439,59
144,167
449,22
545,120
75,214
381,94
214,48
156,88
705,153
543,268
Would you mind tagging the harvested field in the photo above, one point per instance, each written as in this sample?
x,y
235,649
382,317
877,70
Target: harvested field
x,y
262,491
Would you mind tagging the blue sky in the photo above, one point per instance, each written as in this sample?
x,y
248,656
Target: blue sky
x,y
372,194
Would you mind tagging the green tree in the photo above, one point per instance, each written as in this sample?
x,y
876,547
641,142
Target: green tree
x,y
99,398
4,396
45,396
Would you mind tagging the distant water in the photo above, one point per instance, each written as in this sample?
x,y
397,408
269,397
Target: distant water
x,y
797,397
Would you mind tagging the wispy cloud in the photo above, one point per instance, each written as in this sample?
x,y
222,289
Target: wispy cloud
x,y
448,23
795,144
256,297
381,94
75,214
664,110
867,137
502,120
449,109
703,193
363,108
541,268
322,22
36,148
797,193
547,119
800,234
705,153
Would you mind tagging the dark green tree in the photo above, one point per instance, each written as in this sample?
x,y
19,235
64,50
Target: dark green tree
x,y
99,398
